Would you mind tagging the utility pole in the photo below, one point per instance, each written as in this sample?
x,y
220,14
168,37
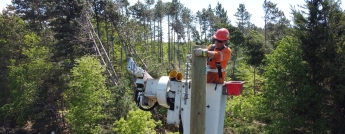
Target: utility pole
x,y
198,94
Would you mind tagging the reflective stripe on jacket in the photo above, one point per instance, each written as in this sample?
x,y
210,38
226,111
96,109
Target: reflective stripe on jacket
x,y
221,56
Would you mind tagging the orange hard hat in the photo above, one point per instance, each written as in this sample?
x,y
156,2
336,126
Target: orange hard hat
x,y
222,34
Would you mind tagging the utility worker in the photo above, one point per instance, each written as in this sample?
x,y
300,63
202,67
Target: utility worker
x,y
218,56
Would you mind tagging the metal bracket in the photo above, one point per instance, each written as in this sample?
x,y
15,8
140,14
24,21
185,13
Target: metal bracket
x,y
207,69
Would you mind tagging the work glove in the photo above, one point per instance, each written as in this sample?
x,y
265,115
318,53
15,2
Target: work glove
x,y
200,52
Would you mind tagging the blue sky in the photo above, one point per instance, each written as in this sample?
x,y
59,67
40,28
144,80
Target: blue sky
x,y
253,6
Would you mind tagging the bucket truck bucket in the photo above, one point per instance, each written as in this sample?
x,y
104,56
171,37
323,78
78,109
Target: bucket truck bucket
x,y
233,88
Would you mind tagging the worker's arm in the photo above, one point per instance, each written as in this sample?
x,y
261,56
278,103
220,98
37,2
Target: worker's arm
x,y
219,56
211,54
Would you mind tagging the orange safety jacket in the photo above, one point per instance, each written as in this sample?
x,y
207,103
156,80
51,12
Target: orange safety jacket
x,y
222,57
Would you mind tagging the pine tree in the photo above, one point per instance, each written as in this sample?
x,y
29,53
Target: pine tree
x,y
69,25
243,17
254,49
221,14
303,76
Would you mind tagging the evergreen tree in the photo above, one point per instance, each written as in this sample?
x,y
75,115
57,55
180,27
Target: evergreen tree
x,y
13,29
159,14
138,11
289,96
270,15
237,42
25,69
304,92
187,19
254,49
33,11
69,24
276,24
243,17
212,21
321,35
222,14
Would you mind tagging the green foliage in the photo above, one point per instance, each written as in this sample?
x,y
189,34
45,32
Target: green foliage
x,y
173,133
246,73
276,24
254,48
289,96
86,96
71,42
243,17
26,78
222,14
303,91
242,112
13,29
320,49
137,122
121,101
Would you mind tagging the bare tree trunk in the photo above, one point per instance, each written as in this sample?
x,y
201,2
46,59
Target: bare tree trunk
x,y
121,54
107,36
154,39
150,33
162,47
189,43
145,40
254,79
160,41
179,52
169,51
97,18
63,108
233,77
174,49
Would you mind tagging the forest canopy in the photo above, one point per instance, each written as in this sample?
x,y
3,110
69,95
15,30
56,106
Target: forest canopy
x,y
64,65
